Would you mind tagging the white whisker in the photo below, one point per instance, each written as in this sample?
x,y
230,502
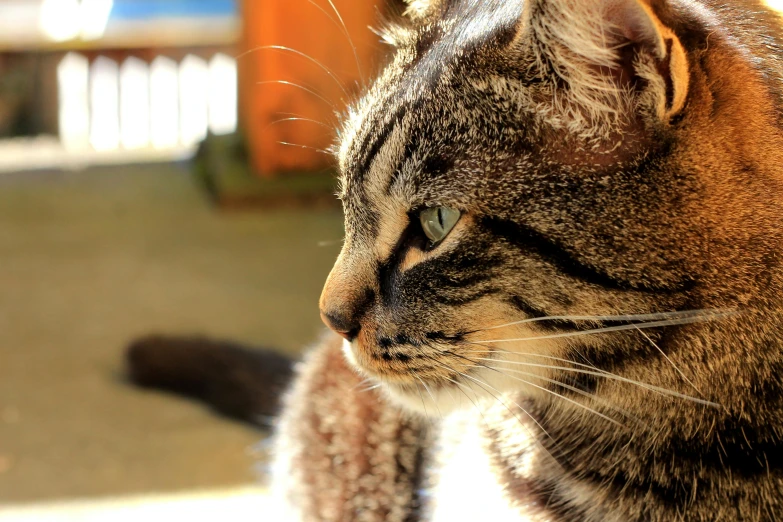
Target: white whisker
x,y
306,89
322,151
475,404
670,361
422,403
297,119
606,375
556,395
360,383
283,48
465,375
350,41
527,354
332,122
626,317
619,328
558,383
434,402
364,382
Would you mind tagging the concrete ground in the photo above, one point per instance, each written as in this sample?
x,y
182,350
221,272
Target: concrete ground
x,y
88,261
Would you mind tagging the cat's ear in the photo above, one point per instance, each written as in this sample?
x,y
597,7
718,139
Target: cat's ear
x,y
608,52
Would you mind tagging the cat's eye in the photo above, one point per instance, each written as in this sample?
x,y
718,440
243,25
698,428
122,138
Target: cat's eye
x,y
437,222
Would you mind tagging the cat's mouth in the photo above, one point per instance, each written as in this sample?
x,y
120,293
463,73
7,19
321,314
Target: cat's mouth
x,y
439,371
403,360
432,382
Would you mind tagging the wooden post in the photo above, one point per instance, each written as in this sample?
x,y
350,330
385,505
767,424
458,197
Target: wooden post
x,y
311,28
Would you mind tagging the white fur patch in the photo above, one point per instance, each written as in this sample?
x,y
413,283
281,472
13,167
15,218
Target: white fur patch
x,y
464,485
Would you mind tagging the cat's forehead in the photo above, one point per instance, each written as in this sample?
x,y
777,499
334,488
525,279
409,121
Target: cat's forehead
x,y
464,25
425,111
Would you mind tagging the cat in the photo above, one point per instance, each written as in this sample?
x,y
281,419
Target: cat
x,y
560,296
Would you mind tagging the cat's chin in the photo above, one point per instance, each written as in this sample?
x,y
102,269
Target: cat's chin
x,y
424,400
439,402
431,404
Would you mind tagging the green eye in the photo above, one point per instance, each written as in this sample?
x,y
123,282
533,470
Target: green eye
x,y
437,222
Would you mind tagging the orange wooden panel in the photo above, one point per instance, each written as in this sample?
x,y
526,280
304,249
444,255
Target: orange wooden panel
x,y
311,28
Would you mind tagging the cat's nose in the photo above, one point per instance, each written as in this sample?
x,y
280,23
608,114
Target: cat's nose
x,y
346,299
341,324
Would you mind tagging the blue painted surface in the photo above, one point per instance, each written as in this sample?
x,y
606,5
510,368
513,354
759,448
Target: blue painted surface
x,y
150,9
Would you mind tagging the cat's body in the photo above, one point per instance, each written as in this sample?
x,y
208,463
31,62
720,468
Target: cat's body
x,y
604,158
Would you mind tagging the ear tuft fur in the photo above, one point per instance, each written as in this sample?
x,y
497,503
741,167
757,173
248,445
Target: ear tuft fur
x,y
421,10
662,61
614,58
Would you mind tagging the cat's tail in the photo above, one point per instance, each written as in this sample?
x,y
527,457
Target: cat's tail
x,y
240,382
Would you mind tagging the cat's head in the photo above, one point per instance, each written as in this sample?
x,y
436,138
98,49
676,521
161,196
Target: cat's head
x,y
541,158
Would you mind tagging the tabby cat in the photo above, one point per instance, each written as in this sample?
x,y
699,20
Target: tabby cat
x,y
560,296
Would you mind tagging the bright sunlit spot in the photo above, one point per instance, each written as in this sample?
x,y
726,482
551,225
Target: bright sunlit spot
x,y
134,103
63,20
193,98
94,17
164,102
73,73
104,104
775,4
60,20
222,94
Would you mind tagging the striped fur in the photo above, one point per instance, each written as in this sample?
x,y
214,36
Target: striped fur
x,y
609,157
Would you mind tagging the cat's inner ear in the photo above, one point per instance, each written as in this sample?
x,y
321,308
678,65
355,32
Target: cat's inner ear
x,y
609,51
661,61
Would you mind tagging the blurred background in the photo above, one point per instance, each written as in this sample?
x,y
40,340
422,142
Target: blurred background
x,y
162,169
